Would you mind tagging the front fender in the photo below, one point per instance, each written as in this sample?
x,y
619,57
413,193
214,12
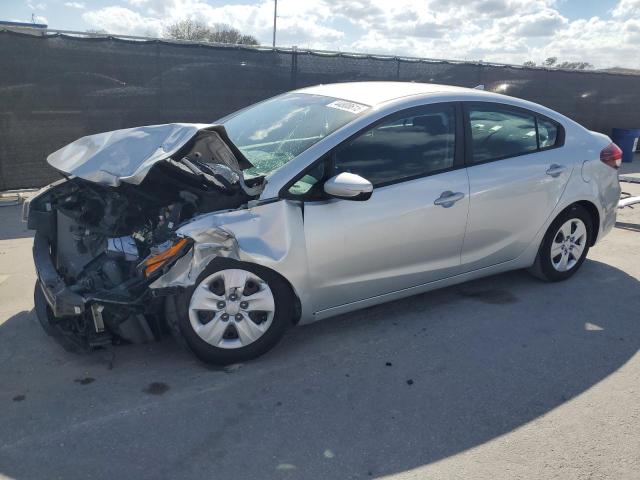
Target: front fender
x,y
270,235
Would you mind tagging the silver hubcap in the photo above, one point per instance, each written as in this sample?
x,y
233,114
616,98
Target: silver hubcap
x,y
568,244
231,308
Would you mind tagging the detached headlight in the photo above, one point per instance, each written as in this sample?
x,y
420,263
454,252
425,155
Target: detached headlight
x,y
173,251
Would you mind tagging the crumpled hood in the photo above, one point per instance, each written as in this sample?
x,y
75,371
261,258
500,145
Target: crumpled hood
x,y
127,155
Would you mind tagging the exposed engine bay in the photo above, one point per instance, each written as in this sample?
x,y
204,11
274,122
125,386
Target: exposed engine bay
x,y
99,246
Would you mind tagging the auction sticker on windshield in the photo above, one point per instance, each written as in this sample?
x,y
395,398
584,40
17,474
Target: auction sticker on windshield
x,y
348,106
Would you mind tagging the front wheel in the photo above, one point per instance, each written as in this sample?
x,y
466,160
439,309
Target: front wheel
x,y
235,312
565,245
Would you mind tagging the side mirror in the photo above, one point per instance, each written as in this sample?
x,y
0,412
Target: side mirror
x,y
348,186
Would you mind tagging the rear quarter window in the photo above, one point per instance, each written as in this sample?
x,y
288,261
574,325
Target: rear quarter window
x,y
498,133
547,133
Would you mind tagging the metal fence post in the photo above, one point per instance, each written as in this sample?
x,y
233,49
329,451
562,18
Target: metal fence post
x,y
4,154
294,67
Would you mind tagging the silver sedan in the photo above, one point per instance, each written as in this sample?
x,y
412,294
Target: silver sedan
x,y
308,205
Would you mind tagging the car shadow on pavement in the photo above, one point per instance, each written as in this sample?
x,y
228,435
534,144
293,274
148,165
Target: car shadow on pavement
x,y
377,392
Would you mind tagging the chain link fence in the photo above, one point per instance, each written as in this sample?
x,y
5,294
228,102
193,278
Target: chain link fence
x,y
57,88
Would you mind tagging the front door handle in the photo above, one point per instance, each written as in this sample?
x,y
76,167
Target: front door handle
x,y
448,198
555,170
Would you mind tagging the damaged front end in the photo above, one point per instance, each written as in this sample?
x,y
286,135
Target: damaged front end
x,y
109,230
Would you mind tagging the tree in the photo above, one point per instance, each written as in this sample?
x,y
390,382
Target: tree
x,y
223,33
553,62
198,31
575,65
193,30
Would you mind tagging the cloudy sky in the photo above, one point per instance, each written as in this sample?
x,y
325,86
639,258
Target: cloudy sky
x,y
603,32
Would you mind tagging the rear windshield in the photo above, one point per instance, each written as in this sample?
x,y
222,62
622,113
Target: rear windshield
x,y
273,132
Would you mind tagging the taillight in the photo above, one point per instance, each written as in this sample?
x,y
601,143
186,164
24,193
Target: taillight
x,y
611,155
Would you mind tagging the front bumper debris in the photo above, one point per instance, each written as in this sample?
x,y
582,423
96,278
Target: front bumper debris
x,y
61,299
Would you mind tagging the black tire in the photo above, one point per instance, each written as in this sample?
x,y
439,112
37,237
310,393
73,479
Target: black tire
x,y
543,267
177,312
45,317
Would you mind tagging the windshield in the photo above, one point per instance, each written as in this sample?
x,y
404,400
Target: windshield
x,y
273,132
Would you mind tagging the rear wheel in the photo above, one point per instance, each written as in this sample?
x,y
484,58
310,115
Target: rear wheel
x,y
565,245
235,312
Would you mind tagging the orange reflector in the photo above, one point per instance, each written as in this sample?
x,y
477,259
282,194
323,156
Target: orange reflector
x,y
153,263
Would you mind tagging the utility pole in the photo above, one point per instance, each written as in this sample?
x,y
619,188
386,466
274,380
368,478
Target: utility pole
x,y
275,17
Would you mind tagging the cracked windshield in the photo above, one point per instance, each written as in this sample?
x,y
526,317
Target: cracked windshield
x,y
273,132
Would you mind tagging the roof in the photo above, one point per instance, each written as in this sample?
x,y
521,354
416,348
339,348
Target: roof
x,y
374,93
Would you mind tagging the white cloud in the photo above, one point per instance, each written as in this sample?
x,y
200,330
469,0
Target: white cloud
x,y
627,9
78,5
591,40
506,31
122,20
631,29
544,23
298,22
36,6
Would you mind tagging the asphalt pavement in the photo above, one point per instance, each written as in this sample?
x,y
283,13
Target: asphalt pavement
x,y
502,378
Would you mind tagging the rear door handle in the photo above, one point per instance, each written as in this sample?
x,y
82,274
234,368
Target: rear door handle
x,y
448,198
555,170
